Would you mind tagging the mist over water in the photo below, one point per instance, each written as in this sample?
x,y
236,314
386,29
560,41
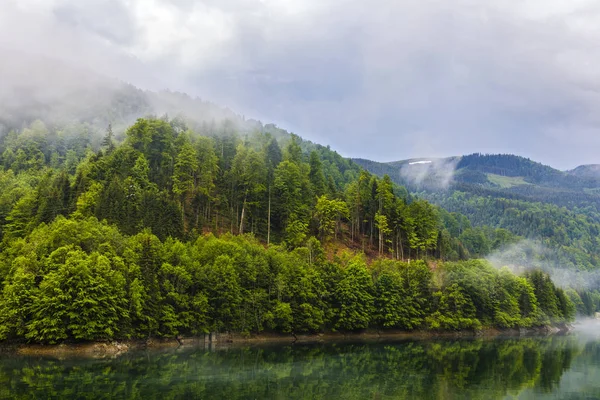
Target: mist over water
x,y
587,327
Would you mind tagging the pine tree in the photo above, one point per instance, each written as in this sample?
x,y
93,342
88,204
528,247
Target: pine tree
x,y
107,141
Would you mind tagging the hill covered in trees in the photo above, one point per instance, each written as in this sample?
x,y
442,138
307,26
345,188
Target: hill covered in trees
x,y
174,231
560,210
115,223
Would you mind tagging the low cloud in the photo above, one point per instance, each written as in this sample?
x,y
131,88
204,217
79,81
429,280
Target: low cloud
x,y
530,254
430,173
373,79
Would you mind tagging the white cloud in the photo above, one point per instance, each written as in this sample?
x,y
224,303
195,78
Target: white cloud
x,y
474,75
190,37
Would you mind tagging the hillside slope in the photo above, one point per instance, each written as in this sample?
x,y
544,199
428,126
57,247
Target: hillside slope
x,y
532,200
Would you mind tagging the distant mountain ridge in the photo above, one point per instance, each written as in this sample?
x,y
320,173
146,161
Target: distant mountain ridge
x,y
504,173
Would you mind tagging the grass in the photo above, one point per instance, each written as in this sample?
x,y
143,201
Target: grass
x,y
506,181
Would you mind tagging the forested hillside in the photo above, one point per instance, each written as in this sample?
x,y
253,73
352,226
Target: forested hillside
x,y
180,183
558,209
174,231
116,226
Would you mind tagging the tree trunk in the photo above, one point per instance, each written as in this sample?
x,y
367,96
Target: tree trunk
x,y
401,245
198,215
269,219
371,235
241,230
183,219
208,211
217,222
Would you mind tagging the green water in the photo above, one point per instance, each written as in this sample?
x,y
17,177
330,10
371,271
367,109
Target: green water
x,y
560,367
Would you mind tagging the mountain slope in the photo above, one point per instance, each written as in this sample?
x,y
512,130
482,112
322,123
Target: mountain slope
x,y
77,98
559,209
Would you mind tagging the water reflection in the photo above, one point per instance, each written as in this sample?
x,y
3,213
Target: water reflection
x,y
438,369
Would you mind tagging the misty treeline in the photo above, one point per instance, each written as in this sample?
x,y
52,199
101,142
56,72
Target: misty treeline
x,y
179,183
559,209
117,242
569,236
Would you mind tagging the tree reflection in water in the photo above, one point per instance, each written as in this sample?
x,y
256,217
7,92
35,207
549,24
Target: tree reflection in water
x,y
435,369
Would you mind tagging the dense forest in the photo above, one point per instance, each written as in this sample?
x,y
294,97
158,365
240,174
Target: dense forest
x,y
165,230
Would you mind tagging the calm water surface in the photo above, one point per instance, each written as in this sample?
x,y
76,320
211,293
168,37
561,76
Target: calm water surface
x,y
560,367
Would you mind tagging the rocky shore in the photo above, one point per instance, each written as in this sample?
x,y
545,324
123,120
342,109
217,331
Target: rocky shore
x,y
220,340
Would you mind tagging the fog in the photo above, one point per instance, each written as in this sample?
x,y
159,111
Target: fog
x,y
529,254
38,87
383,80
432,173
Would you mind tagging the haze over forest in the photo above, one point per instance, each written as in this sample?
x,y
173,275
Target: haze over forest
x,y
384,80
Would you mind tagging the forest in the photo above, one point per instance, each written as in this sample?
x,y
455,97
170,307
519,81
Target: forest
x,y
169,229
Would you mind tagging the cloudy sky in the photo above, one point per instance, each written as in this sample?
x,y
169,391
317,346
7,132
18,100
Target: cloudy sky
x,y
381,79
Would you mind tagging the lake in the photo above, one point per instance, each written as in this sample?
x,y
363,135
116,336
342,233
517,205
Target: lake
x,y
556,367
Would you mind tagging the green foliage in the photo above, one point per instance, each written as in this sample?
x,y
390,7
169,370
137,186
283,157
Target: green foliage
x,y
83,299
402,294
353,298
81,279
172,233
455,310
329,214
553,303
178,183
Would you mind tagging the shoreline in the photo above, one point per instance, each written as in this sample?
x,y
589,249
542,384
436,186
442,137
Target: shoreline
x,y
214,341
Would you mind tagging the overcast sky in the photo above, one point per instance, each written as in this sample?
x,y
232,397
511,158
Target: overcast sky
x,y
381,79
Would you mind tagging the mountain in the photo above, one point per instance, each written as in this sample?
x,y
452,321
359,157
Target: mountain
x,y
558,209
499,175
204,221
586,171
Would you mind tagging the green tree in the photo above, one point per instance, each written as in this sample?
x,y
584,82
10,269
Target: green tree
x,y
315,175
455,310
108,141
224,294
424,224
82,299
184,179
329,214
354,298
248,173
